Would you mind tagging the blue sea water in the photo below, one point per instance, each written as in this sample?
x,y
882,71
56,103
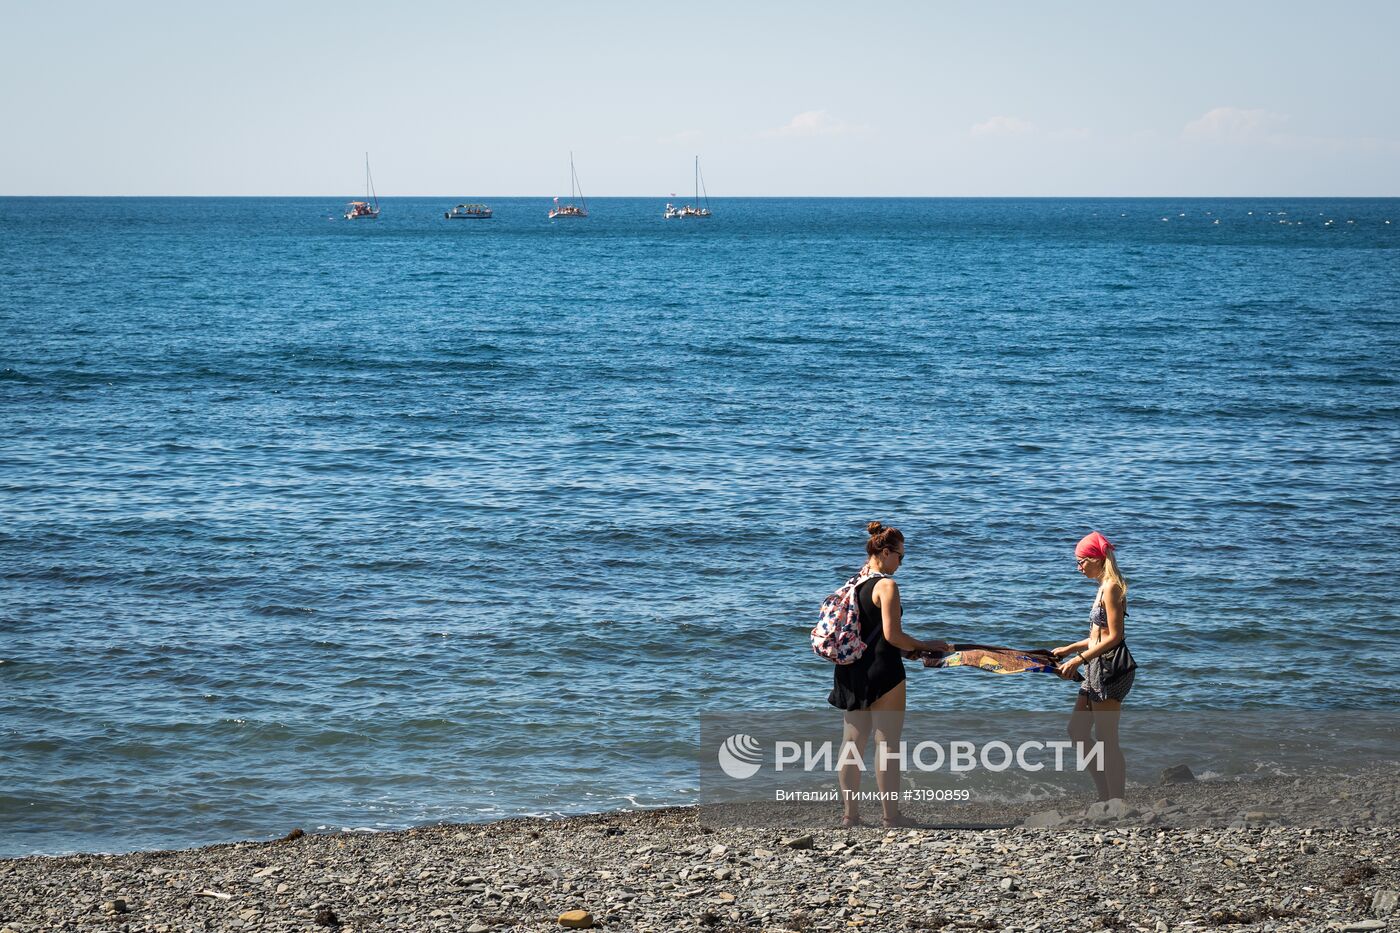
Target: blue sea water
x,y
316,523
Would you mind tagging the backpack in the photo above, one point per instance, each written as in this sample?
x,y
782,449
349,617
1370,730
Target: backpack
x,y
837,633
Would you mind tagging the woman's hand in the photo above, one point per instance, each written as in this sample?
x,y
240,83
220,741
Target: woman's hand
x,y
942,647
1067,669
1063,650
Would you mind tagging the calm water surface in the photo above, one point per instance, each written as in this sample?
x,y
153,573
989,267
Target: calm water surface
x,y
316,523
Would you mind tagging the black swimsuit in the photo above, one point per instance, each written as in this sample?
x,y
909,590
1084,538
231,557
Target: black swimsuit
x,y
880,667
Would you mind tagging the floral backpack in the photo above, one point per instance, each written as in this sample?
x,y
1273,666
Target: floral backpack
x,y
837,634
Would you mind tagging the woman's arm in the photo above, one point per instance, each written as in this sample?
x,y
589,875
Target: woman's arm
x,y
886,596
1113,615
1075,648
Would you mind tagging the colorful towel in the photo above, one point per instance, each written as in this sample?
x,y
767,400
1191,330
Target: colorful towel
x,y
992,658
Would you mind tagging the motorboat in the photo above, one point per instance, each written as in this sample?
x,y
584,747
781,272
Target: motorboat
x,y
469,212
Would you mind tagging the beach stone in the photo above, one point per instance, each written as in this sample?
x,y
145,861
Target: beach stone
x,y
325,917
576,919
1044,819
1178,774
117,906
1104,811
798,842
1384,902
1009,884
1359,926
478,928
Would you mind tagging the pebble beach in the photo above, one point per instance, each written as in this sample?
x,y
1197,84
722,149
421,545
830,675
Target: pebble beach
x,y
1132,866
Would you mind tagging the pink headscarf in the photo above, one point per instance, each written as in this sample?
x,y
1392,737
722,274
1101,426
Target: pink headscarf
x,y
1093,545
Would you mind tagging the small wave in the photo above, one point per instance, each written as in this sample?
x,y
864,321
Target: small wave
x,y
14,375
281,610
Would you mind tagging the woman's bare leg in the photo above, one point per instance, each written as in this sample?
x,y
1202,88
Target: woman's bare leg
x,y
1081,733
1105,714
855,732
888,714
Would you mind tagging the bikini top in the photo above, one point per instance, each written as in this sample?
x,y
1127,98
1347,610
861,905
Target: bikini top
x,y
1098,616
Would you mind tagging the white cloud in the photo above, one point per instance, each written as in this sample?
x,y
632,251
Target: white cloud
x,y
814,123
1002,126
682,136
1234,124
1264,127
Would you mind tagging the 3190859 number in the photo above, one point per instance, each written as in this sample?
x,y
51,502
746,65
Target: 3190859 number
x,y
942,794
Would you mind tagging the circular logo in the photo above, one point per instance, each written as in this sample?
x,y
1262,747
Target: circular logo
x,y
740,756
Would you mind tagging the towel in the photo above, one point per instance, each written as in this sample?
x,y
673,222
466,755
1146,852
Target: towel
x,y
992,658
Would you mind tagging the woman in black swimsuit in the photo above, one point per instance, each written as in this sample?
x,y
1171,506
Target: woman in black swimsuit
x,y
871,689
1109,667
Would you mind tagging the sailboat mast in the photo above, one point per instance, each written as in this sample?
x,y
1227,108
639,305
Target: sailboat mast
x,y
577,184
370,193
697,181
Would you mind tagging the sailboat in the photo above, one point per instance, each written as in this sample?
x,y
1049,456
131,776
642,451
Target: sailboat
x,y
570,209
362,210
691,210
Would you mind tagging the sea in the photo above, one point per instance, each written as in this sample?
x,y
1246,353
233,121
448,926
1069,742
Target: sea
x,y
309,523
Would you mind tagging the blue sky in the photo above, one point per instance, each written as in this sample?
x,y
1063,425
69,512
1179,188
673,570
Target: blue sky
x,y
479,99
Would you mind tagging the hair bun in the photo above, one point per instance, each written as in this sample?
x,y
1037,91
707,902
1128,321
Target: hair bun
x,y
874,528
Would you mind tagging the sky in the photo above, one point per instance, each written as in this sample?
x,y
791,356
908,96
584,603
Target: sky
x,y
473,99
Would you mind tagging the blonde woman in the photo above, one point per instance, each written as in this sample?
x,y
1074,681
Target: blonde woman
x,y
1108,664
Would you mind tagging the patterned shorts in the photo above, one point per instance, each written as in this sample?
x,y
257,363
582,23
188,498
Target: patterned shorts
x,y
1115,689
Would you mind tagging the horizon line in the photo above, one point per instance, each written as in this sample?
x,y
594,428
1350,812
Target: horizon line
x,y
755,197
